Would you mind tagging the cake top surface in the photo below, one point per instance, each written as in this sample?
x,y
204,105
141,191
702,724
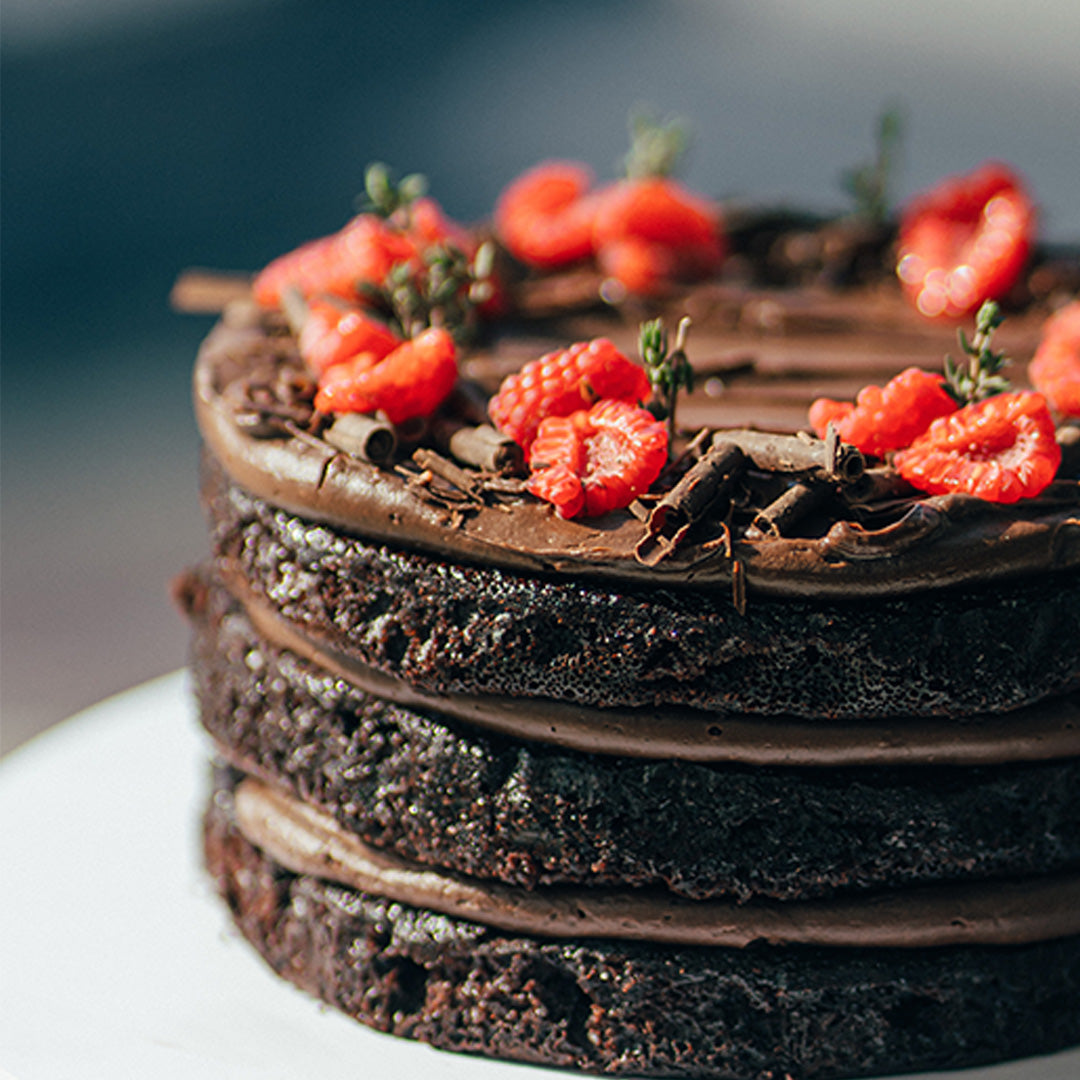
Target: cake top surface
x,y
739,496
875,535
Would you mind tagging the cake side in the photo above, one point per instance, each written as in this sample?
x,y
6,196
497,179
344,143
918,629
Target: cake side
x,y
753,758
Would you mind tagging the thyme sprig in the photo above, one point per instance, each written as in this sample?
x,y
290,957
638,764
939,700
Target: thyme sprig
x,y
981,377
444,292
656,146
669,372
868,184
385,196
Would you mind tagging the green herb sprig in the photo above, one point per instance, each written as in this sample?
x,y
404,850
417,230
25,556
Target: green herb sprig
x,y
445,292
656,146
981,377
868,184
669,372
385,196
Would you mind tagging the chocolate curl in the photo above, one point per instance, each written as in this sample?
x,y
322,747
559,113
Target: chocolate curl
x,y
295,306
481,446
369,438
880,485
206,292
795,454
776,519
457,477
1068,438
688,501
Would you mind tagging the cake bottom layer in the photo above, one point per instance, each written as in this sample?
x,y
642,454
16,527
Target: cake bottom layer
x,y
628,1008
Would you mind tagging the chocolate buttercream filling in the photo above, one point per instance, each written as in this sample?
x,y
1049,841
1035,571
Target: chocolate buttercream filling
x,y
1040,732
307,841
950,540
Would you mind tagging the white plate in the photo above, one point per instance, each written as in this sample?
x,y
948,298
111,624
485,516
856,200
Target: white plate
x,y
117,961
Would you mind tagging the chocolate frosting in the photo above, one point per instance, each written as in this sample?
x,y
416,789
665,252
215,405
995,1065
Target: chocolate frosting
x,y
1040,732
307,841
943,541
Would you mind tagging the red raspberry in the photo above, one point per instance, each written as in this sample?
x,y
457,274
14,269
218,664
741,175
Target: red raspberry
x,y
332,334
643,267
412,381
597,460
659,215
825,411
965,241
886,418
545,216
1055,368
363,252
563,382
428,226
1001,449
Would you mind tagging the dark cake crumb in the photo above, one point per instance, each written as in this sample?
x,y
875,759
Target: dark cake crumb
x,y
758,1013
441,792
452,628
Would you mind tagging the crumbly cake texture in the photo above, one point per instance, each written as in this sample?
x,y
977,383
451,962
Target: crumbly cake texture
x,y
634,1009
412,650
459,629
447,794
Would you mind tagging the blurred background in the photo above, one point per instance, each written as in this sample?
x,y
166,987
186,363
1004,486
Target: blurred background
x,y
141,138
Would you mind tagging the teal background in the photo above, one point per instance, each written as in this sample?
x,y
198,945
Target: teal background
x,y
142,138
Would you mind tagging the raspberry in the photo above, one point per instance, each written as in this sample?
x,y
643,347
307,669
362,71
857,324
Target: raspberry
x,y
1001,449
679,229
365,250
545,216
597,460
410,382
825,411
964,241
332,334
1055,368
886,418
563,382
643,267
428,227
362,253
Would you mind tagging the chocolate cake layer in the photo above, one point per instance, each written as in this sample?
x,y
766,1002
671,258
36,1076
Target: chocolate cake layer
x,y
455,628
639,1009
449,794
308,841
1041,732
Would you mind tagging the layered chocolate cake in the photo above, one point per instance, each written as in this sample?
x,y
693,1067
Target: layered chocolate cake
x,y
773,770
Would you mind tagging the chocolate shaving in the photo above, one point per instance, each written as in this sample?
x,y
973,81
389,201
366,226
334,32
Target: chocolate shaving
x,y
433,462
1068,438
796,454
555,294
206,292
688,501
849,540
877,485
797,502
369,438
481,446
738,586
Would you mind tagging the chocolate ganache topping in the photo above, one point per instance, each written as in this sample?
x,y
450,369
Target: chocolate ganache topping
x,y
791,516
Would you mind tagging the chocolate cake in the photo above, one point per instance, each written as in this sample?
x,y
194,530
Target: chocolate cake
x,y
774,772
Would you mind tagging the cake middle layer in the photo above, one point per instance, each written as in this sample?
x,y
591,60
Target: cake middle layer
x,y
451,794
